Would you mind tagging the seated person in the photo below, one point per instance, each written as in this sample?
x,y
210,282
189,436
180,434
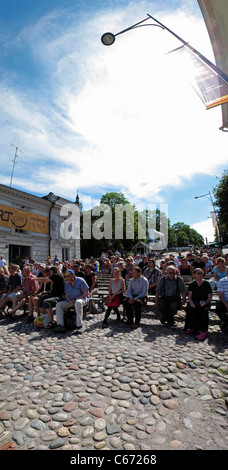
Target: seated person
x,y
222,304
77,296
208,263
78,271
137,293
186,270
219,271
4,282
106,268
199,263
57,288
144,263
168,295
30,287
153,275
90,278
36,300
197,311
116,290
15,287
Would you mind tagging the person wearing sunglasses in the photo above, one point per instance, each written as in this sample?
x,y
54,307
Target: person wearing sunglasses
x,y
197,310
170,295
77,296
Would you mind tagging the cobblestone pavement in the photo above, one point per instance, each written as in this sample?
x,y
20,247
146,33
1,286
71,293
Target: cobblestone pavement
x,y
153,388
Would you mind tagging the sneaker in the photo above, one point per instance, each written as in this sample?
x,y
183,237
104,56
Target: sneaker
x,y
201,336
79,331
189,331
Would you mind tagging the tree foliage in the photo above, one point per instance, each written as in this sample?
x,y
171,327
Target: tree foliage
x,y
221,202
113,207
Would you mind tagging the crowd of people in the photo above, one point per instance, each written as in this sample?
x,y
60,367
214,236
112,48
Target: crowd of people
x,y
176,281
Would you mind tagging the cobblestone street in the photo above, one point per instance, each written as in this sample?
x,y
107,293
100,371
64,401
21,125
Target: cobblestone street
x,y
153,388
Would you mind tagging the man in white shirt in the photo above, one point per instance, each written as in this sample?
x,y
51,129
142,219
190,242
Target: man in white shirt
x,y
222,304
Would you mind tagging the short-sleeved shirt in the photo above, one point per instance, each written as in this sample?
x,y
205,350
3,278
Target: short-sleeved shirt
x,y
171,287
200,292
220,275
89,278
30,284
200,265
78,288
58,284
15,281
223,287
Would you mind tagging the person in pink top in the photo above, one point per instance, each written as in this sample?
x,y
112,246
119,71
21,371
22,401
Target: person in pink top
x,y
30,287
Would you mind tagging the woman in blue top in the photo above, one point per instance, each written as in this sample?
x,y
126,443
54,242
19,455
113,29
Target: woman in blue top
x,y
219,270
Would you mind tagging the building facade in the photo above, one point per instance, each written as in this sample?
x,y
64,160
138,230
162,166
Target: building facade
x,y
31,226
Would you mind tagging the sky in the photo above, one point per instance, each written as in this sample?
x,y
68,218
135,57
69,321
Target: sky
x,y
92,119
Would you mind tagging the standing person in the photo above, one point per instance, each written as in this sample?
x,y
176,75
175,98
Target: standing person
x,y
116,290
222,304
137,293
197,311
168,295
77,296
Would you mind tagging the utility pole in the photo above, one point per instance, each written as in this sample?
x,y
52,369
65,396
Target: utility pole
x,y
14,161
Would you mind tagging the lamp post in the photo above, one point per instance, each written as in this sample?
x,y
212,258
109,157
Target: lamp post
x,y
210,82
109,38
212,202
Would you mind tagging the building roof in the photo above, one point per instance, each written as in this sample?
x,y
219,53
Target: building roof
x,y
215,14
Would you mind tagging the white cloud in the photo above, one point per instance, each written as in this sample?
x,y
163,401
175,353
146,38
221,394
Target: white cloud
x,y
117,116
206,229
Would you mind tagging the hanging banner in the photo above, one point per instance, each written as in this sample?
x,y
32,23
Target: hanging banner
x,y
209,85
23,220
214,220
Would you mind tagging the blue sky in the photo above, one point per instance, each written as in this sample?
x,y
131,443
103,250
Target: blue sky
x,y
94,119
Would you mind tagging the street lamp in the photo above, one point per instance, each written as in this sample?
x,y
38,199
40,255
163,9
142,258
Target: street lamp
x,y
212,202
211,81
109,38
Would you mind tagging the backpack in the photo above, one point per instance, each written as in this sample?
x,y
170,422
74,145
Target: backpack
x,y
69,319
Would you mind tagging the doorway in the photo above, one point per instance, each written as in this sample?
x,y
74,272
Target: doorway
x,y
17,253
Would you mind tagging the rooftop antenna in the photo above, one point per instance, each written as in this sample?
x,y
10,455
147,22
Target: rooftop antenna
x,y
14,161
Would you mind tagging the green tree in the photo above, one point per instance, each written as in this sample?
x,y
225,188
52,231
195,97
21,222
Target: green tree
x,y
187,235
221,201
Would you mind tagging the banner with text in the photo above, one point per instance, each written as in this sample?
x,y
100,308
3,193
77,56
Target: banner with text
x,y
209,85
23,220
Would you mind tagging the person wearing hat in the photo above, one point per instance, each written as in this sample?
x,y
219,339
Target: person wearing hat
x,y
77,296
